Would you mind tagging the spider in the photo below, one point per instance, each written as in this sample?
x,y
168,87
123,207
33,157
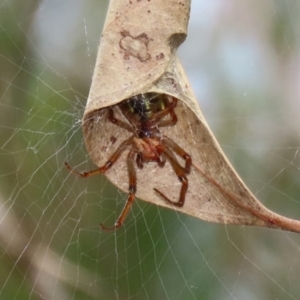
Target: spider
x,y
145,114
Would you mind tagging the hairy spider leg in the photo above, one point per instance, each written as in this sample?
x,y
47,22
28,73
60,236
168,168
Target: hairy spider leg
x,y
158,116
179,151
132,178
161,114
118,122
131,195
180,172
171,122
115,156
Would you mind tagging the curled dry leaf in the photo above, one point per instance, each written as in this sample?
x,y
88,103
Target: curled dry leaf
x,y
137,55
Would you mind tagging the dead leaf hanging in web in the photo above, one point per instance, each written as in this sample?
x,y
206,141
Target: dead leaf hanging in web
x,y
137,55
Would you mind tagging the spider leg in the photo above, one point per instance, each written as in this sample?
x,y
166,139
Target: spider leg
x,y
140,160
131,195
171,122
168,110
180,172
115,156
179,151
118,122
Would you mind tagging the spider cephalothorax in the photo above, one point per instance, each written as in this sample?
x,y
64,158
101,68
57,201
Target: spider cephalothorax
x,y
145,114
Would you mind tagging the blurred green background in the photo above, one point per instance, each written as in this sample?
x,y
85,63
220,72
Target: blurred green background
x,y
243,61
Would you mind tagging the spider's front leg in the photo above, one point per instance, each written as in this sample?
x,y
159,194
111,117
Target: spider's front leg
x,y
115,156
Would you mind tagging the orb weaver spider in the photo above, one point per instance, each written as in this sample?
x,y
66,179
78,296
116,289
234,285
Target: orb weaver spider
x,y
145,114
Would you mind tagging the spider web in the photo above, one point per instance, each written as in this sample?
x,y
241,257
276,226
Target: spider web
x,y
244,65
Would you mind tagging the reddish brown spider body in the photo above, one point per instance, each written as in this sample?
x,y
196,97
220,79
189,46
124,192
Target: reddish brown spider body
x,y
149,149
145,114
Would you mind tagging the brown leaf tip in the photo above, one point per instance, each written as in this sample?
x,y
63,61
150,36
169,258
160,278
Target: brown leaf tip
x,y
135,46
